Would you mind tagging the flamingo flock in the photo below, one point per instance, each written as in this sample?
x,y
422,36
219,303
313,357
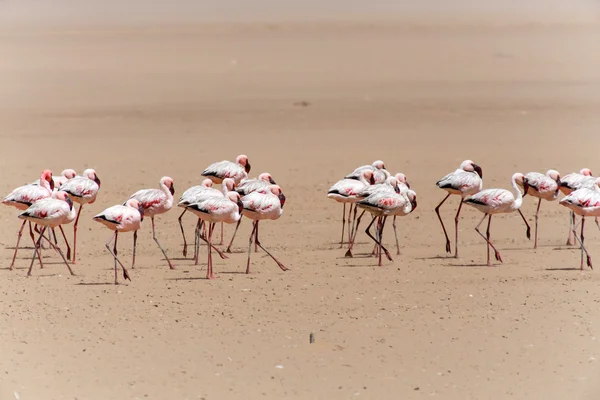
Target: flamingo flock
x,y
48,203
372,188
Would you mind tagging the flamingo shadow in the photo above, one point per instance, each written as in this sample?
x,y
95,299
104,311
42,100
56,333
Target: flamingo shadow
x,y
563,269
96,284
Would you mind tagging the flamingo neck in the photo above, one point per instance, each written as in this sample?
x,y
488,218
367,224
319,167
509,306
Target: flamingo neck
x,y
518,196
166,190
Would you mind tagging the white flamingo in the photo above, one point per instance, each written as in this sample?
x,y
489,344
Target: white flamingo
x,y
498,201
121,218
64,176
380,174
465,181
237,170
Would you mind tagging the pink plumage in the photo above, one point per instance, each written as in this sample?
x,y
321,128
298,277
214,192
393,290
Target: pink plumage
x,y
237,170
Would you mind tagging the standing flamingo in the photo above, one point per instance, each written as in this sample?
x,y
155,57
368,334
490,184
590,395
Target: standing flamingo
x,y
465,181
198,194
498,201
217,209
583,202
237,171
155,202
23,197
382,204
544,187
570,183
380,174
121,218
246,187
346,191
260,206
83,190
49,213
402,185
187,198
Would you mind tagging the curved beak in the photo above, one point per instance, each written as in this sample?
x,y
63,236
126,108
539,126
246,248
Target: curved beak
x,y
407,184
97,180
271,181
172,189
51,184
281,199
525,187
240,206
69,202
141,210
397,189
478,169
247,167
414,204
372,180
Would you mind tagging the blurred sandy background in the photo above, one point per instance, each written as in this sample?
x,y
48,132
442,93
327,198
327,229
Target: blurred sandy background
x,y
309,90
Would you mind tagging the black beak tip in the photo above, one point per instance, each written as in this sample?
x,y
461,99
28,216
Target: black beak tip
x,y
272,182
247,167
172,190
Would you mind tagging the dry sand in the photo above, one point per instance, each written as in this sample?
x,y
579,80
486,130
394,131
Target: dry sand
x,y
140,101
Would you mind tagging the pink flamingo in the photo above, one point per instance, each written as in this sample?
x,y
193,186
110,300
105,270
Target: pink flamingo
x,y
544,187
121,218
83,190
198,194
184,200
49,213
346,191
155,202
385,203
246,187
403,185
380,174
498,201
570,183
465,181
583,202
59,180
259,206
23,197
217,209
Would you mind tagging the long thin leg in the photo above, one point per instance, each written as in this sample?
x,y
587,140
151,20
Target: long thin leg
x,y
250,245
597,223
456,229
396,236
537,211
571,223
222,238
283,267
351,226
125,273
223,256
159,246
228,250
134,248
375,251
209,268
256,239
343,225
381,239
39,249
17,245
487,235
74,261
351,244
62,231
497,253
528,232
583,249
197,237
35,251
183,232
115,252
59,252
387,253
437,211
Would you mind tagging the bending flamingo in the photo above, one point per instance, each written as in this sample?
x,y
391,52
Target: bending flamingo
x,y
217,209
465,181
49,213
402,186
570,183
246,187
380,174
263,206
83,190
23,197
155,202
121,218
498,201
346,191
544,187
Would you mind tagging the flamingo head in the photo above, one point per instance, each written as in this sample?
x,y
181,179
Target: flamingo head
x,y
369,176
276,190
64,196
586,172
265,176
133,203
402,179
242,159
554,175
91,174
412,197
168,182
207,183
69,173
393,182
229,184
520,180
378,164
47,176
236,198
470,166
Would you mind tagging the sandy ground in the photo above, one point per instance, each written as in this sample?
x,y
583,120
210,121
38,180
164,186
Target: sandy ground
x,y
139,102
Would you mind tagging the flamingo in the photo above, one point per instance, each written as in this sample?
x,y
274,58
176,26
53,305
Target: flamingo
x,y
23,197
49,213
198,194
121,218
246,187
402,185
83,190
379,172
155,202
544,187
583,202
225,209
572,182
385,203
498,201
346,191
263,205
59,180
465,181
